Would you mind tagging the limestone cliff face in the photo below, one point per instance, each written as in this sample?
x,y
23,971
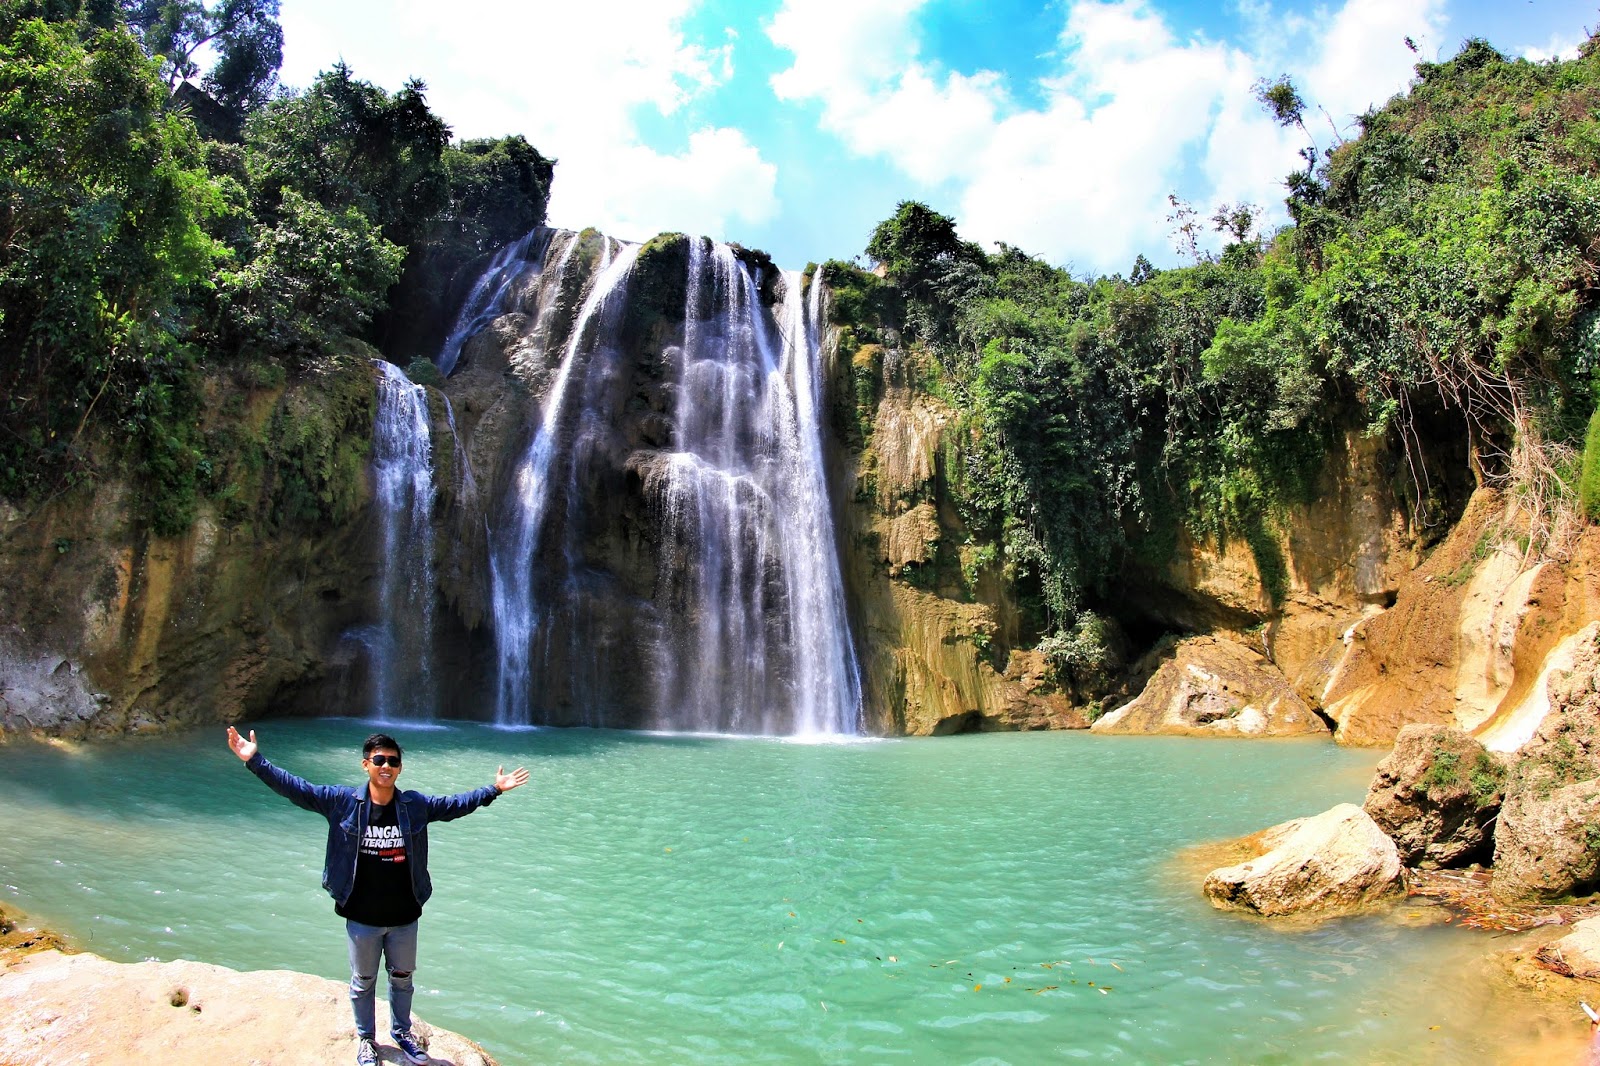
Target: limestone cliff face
x,y
1473,637
941,633
108,629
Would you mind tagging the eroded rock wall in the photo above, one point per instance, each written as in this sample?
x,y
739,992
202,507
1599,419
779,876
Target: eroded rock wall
x,y
109,629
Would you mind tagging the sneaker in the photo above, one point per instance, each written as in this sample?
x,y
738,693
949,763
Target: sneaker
x,y
410,1046
366,1053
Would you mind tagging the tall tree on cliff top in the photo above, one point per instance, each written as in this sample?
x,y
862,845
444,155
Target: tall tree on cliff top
x,y
244,35
102,195
344,143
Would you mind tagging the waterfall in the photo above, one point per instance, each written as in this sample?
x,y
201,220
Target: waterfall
x,y
661,547
513,549
402,461
487,299
764,645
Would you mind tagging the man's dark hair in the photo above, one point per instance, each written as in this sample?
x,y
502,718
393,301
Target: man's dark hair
x,y
380,742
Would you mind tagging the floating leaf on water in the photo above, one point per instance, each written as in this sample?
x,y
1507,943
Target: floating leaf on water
x,y
838,940
977,988
1008,980
1119,968
1431,1028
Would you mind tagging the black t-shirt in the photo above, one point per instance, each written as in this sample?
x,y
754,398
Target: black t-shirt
x,y
382,894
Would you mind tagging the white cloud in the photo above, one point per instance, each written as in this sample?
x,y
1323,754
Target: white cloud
x,y
1132,114
1557,47
573,78
858,59
1363,60
717,185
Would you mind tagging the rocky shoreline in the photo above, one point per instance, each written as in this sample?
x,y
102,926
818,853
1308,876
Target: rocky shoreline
x,y
61,1007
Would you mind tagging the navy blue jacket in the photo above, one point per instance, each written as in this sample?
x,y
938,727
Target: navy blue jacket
x,y
345,808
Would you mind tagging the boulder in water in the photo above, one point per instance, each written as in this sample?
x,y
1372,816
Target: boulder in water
x,y
1334,863
1437,795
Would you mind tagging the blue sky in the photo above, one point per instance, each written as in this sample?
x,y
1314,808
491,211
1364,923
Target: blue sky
x,y
797,125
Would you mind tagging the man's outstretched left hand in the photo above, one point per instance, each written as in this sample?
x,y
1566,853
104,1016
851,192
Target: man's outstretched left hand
x,y
506,782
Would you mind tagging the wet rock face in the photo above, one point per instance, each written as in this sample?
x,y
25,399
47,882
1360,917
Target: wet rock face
x,y
1334,863
1437,795
942,643
1207,686
110,630
1547,839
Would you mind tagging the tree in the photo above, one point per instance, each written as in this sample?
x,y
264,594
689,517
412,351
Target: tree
x,y
316,273
918,245
344,143
244,35
498,190
102,196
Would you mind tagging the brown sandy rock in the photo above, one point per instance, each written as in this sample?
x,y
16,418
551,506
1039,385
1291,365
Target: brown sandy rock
x,y
1212,687
61,1009
1333,863
1437,795
1577,954
1547,844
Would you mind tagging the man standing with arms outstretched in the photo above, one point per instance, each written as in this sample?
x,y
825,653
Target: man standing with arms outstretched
x,y
376,870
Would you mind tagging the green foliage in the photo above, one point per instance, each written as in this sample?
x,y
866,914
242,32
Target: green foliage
x,y
138,257
315,273
317,447
498,190
1440,275
1589,480
102,195
244,35
1444,771
345,143
424,372
1487,778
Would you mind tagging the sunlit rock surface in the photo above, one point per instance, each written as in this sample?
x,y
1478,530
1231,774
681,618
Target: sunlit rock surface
x,y
58,1009
1212,687
1547,839
1437,795
1334,863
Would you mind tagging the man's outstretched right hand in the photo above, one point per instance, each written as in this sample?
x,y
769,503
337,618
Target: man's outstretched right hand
x,y
243,748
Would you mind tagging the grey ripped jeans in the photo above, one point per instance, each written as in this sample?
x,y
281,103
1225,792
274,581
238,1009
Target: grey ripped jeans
x,y
398,947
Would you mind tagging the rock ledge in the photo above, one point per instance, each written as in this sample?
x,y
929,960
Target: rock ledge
x,y
59,1009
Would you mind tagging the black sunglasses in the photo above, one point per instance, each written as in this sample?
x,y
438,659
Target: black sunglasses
x,y
384,760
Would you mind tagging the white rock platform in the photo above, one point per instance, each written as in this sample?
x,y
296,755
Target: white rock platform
x,y
58,1009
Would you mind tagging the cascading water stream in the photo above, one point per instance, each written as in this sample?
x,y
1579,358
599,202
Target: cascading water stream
x,y
402,460
765,644
663,553
487,300
513,548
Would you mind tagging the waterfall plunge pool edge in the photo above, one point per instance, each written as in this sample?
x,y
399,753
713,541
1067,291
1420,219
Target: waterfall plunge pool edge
x,y
649,898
